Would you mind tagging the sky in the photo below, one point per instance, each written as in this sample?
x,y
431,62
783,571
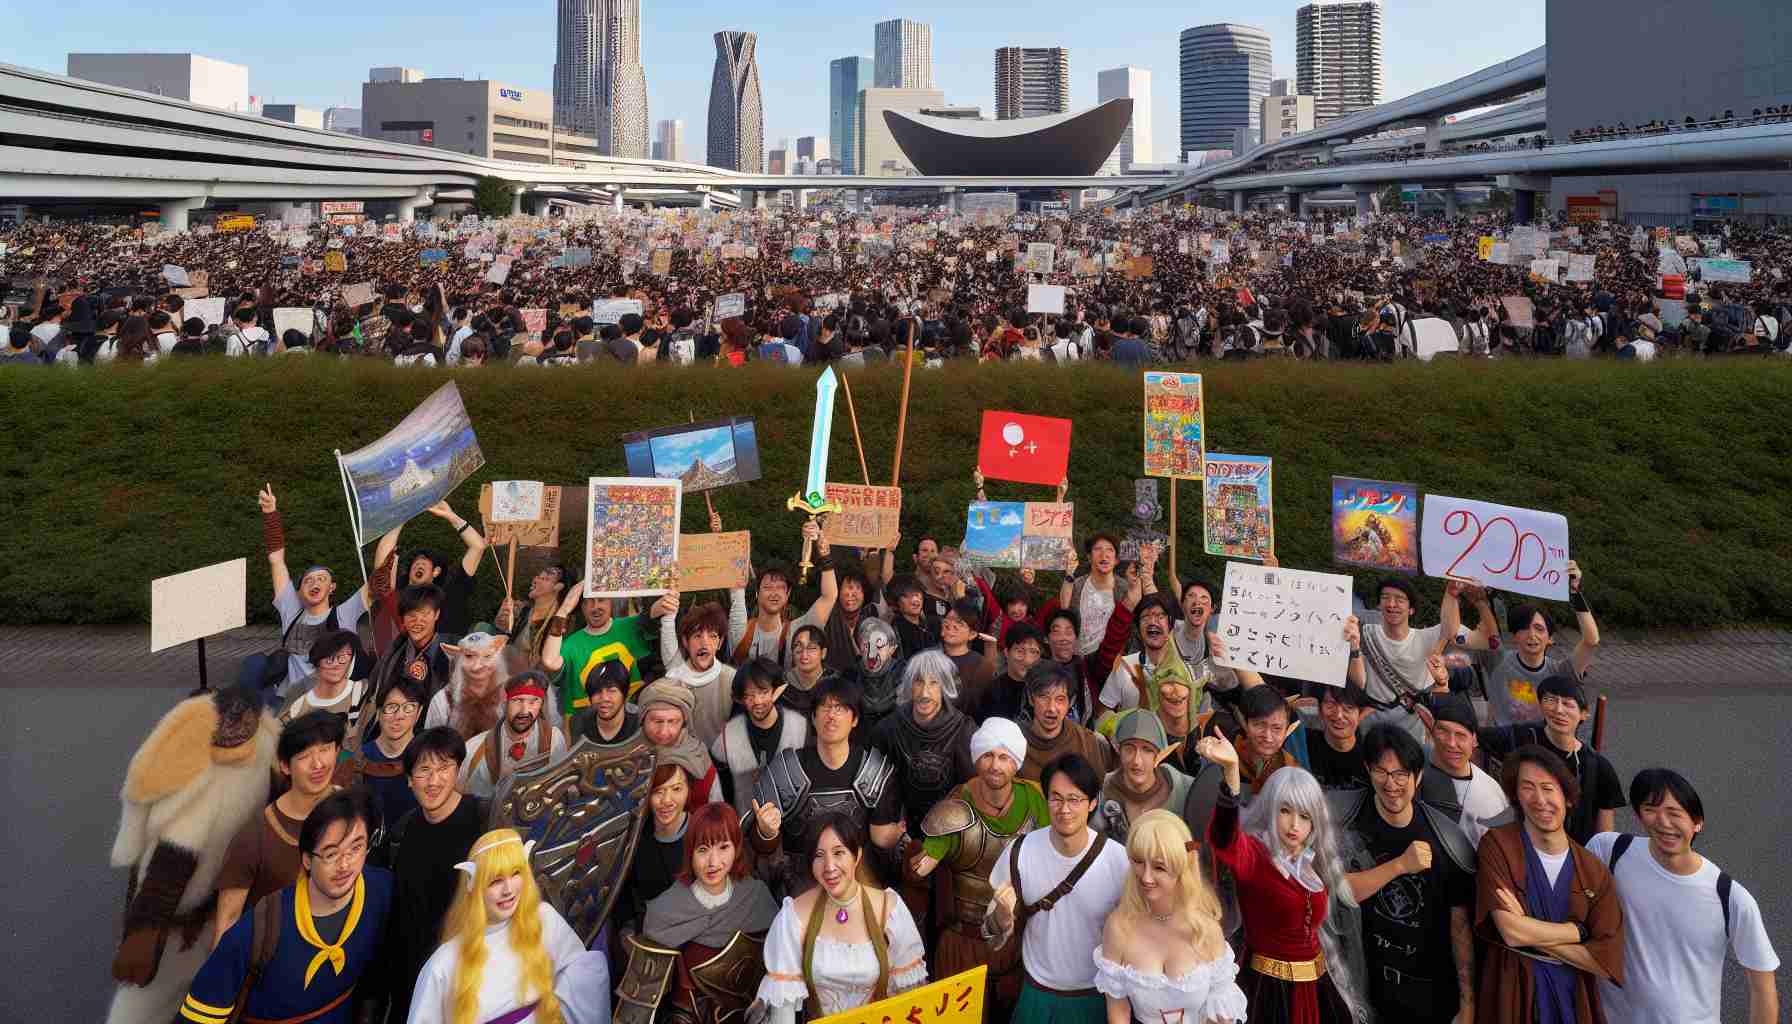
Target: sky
x,y
320,56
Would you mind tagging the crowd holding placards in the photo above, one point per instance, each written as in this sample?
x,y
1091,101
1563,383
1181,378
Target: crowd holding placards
x,y
677,286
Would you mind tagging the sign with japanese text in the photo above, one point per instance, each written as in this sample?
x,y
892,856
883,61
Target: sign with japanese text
x,y
1288,622
954,1000
542,531
1500,546
1238,517
869,517
1174,426
714,561
1019,534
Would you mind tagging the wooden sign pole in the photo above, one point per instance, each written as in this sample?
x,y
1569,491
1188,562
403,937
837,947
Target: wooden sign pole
x,y
510,575
908,369
857,442
1172,528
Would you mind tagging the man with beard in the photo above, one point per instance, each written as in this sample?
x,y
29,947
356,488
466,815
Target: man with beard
x,y
1512,674
1394,653
966,834
418,652
700,634
609,721
752,738
421,850
1143,782
523,736
604,638
1048,728
473,701
927,739
768,635
665,716
879,671
811,661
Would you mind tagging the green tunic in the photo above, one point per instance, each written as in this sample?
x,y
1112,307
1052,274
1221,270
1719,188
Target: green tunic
x,y
1029,805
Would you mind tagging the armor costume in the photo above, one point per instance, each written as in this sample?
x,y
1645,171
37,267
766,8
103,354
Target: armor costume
x,y
979,845
700,957
786,783
881,660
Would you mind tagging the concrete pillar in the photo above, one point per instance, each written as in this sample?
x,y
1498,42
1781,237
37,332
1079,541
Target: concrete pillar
x,y
175,211
616,198
801,198
1524,205
703,202
1450,208
516,201
1076,200
1434,135
1238,202
407,208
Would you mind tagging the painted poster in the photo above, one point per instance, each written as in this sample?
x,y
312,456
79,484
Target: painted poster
x,y
631,536
1289,622
714,453
539,531
1713,269
1375,524
869,517
1039,258
1019,534
1175,425
1237,508
954,1000
413,466
516,501
198,603
1500,546
714,561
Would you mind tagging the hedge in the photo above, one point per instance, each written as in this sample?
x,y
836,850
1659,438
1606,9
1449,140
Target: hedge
x,y
1674,476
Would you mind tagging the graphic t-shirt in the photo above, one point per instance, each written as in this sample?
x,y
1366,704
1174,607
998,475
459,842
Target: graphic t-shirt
x,y
1512,685
1406,924
1336,769
625,640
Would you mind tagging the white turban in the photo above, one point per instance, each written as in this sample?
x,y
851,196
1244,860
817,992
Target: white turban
x,y
999,734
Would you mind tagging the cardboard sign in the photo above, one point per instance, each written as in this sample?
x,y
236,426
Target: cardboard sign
x,y
198,603
1375,524
357,295
542,531
954,1000
1515,549
1580,266
1019,534
1175,425
176,276
869,517
1288,622
732,304
611,311
209,310
335,261
1045,298
1140,267
1519,311
293,318
1238,512
1023,448
1040,258
499,272
662,262
714,561
631,536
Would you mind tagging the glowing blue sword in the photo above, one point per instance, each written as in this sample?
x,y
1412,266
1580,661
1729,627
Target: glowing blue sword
x,y
812,499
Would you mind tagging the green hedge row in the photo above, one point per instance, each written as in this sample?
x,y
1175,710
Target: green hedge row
x,y
1675,477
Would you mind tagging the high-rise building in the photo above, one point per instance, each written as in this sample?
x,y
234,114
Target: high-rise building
x,y
292,113
346,120
1225,75
394,74
180,76
668,140
904,55
1131,83
1285,115
879,154
1337,56
847,77
777,161
811,148
600,86
1282,87
736,118
1032,81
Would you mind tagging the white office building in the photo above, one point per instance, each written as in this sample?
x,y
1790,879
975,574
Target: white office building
x,y
181,76
1131,83
904,55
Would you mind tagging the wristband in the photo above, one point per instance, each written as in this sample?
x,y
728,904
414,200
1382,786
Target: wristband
x,y
557,625
273,532
1584,933
1578,602
824,563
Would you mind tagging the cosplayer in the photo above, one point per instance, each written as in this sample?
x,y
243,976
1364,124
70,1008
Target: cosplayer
x,y
927,739
523,736
879,672
764,726
199,778
665,724
808,667
701,951
473,700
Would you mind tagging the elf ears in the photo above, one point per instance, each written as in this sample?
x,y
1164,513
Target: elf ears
x,y
1168,752
472,869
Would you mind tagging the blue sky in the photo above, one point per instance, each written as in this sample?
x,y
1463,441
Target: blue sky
x,y
319,56
674,453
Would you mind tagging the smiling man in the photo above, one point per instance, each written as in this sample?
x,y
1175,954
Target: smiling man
x,y
1513,673
604,638
304,606
1143,782
752,738
1564,704
419,651
524,735
1048,727
1453,739
691,648
1394,652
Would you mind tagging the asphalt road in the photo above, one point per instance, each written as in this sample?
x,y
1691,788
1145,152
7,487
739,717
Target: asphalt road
x,y
77,706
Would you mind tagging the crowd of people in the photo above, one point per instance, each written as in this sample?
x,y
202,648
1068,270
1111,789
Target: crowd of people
x,y
1142,286
904,773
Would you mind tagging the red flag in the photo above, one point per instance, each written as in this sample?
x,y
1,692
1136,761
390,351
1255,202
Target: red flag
x,y
1673,286
1029,449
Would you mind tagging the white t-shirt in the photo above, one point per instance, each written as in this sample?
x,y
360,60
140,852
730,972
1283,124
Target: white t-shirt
x,y
1405,659
1093,613
1057,948
1482,800
1674,939
1552,864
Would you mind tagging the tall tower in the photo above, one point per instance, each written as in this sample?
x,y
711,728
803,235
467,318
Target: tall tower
x,y
736,120
669,140
600,86
1032,81
904,55
1337,56
847,76
1132,83
1225,75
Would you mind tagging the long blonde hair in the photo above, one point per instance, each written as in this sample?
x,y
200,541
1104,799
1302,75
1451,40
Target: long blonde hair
x,y
497,854
1160,835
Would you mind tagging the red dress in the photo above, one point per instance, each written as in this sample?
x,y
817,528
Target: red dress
x,y
1281,921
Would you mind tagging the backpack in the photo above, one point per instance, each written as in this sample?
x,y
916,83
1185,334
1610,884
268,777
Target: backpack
x,y
1724,881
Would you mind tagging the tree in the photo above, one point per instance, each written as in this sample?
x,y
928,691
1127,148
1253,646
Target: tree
x,y
493,196
1390,199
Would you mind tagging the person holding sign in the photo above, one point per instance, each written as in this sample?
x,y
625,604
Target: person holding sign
x,y
1394,653
1513,674
701,633
304,607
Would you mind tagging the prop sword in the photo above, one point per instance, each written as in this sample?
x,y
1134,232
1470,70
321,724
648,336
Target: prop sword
x,y
812,499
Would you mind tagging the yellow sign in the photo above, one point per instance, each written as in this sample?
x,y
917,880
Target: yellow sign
x,y
335,262
1484,248
956,1000
242,222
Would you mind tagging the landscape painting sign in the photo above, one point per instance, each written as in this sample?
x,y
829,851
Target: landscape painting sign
x,y
1289,622
416,464
631,536
1019,534
1174,426
1375,524
713,453
1238,517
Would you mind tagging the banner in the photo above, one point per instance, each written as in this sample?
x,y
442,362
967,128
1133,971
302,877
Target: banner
x,y
413,466
1500,546
1580,267
335,262
1287,622
1238,514
198,603
1026,449
611,311
1175,425
631,536
869,517
714,561
732,304
954,1000
542,530
1375,524
1019,534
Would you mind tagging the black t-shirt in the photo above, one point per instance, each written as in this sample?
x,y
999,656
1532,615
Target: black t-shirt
x,y
1005,697
1406,925
1336,769
457,588
887,811
1600,789
423,865
765,741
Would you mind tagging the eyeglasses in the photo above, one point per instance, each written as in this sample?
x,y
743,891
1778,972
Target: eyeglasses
x,y
1550,700
1065,803
1398,775
341,657
337,854
409,707
832,710
428,771
799,648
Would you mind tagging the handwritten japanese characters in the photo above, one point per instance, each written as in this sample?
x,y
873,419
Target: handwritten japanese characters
x,y
1288,622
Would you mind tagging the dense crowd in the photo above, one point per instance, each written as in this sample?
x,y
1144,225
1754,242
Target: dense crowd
x,y
898,776
1141,286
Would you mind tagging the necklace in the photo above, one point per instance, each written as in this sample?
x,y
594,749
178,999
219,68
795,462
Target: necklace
x,y
1162,918
841,906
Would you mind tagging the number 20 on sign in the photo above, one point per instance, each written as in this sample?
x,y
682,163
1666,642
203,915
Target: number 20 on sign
x,y
1516,549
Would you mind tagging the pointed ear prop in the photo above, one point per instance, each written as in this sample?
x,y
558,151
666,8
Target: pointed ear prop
x,y
1168,752
779,692
472,871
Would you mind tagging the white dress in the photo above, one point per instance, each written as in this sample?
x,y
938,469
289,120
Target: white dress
x,y
1205,992
501,980
845,972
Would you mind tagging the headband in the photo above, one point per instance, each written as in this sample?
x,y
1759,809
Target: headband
x,y
526,688
472,869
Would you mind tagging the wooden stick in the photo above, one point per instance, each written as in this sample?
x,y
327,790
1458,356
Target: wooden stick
x,y
908,369
856,441
1172,528
510,577
1599,724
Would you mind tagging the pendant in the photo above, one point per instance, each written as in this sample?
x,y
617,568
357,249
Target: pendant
x,y
840,915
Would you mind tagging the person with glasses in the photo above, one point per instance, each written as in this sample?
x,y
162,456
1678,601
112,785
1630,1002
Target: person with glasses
x,y
329,686
1563,702
1412,872
399,709
422,848
324,963
810,663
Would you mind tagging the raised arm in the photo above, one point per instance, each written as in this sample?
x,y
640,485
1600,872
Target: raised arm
x,y
1353,635
475,541
666,610
1415,860
1449,614
1583,617
1487,625
558,626
273,539
830,581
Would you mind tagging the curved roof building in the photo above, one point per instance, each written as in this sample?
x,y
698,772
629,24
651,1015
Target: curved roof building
x,y
1077,143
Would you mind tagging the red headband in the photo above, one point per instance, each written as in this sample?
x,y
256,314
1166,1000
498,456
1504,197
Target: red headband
x,y
530,688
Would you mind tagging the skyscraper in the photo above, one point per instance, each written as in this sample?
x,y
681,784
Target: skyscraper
x,y
1225,75
600,87
1337,56
1128,82
1032,81
847,76
668,140
736,119
904,55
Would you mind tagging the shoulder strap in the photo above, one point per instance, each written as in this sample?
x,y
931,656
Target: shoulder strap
x,y
811,932
491,754
1076,875
264,938
1619,846
1724,884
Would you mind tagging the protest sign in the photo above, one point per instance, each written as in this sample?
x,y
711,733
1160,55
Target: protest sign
x,y
1580,267
1500,254
293,318
575,256
499,272
631,536
430,257
713,561
356,295
1544,270
1045,298
1040,258
1288,622
198,603
712,453
1515,549
1432,335
869,517
209,310
610,311
1238,513
535,323
413,466
1140,267
1519,311
540,530
1222,252
515,501
954,1000
176,276
1174,425
335,262
1375,524
1019,534
730,305
191,293
661,264
1713,269
1673,286
1484,248
1027,449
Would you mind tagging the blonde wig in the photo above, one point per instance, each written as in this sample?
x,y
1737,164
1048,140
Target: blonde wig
x,y
1161,836
497,854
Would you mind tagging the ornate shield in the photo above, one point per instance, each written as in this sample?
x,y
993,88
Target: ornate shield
x,y
584,813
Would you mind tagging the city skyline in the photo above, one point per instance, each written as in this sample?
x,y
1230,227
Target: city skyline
x,y
314,65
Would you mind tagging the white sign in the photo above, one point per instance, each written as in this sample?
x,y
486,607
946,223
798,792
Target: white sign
x,y
176,276
516,501
1289,622
731,304
345,206
1045,298
297,318
610,311
1544,269
1432,335
1714,269
1222,252
356,295
1580,267
1500,546
198,603
499,273
210,310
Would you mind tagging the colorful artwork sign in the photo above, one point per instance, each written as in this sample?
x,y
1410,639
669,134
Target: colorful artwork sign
x,y
1019,534
416,464
713,453
1515,549
1237,510
1375,524
1175,426
631,536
